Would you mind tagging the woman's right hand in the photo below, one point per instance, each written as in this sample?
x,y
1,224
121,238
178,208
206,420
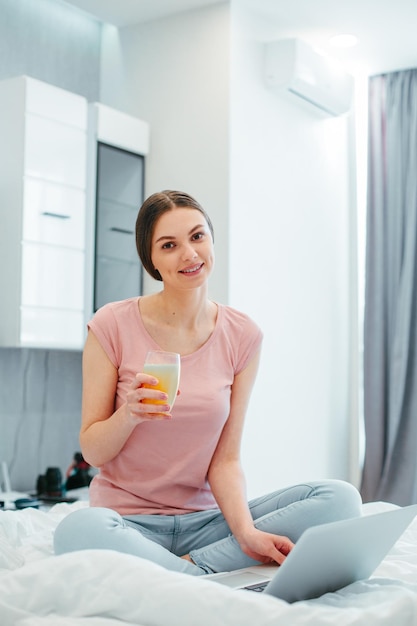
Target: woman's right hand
x,y
144,403
104,430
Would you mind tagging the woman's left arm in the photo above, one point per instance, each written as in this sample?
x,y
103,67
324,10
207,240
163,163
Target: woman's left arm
x,y
227,480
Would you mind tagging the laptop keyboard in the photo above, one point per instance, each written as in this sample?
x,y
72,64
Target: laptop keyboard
x,y
257,587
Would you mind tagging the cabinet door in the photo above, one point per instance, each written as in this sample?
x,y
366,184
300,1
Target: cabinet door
x,y
115,280
56,103
116,231
53,214
49,328
52,277
120,175
55,152
42,213
118,271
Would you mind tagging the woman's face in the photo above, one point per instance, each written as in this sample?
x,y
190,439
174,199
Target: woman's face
x,y
182,248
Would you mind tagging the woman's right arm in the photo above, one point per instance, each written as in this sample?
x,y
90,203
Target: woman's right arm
x,y
104,431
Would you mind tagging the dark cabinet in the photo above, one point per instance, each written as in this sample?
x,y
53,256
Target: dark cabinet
x,y
119,194
118,145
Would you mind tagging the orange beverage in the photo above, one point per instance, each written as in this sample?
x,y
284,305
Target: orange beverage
x,y
165,366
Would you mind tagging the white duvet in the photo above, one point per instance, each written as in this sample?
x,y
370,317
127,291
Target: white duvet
x,y
101,587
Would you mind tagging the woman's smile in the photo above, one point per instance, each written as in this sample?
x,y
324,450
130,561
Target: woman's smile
x,y
192,270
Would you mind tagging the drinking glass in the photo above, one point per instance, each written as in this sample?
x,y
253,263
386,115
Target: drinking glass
x,y
165,366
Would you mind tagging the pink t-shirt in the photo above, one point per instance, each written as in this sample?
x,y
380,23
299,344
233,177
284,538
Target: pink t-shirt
x,y
163,466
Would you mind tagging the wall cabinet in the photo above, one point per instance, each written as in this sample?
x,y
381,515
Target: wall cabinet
x,y
118,144
43,177
71,183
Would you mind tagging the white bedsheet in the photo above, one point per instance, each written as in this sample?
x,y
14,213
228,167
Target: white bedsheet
x,y
94,588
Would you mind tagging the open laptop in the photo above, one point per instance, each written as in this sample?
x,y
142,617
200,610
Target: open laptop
x,y
326,557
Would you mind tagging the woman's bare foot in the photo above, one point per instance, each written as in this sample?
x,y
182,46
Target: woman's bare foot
x,y
187,557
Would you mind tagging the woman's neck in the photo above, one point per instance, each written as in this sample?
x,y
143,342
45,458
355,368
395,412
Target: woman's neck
x,y
185,308
180,323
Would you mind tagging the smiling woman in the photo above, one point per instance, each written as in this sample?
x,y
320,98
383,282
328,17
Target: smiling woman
x,y
170,486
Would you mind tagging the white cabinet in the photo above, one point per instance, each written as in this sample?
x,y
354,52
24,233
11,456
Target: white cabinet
x,y
118,144
43,171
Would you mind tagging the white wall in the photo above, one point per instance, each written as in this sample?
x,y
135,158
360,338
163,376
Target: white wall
x,y
174,73
290,257
283,227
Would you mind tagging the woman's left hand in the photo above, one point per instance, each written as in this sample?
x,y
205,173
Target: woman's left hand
x,y
266,547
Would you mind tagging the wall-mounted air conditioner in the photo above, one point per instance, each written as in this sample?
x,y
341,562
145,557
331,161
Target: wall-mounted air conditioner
x,y
292,65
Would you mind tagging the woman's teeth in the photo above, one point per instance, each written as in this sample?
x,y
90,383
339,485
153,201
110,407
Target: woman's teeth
x,y
190,270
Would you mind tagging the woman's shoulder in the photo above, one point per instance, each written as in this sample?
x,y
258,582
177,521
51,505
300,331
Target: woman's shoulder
x,y
119,308
112,324
237,325
239,336
115,318
235,317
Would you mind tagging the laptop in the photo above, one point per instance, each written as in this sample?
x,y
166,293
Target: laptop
x,y
326,557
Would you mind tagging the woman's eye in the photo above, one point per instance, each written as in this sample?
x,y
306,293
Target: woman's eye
x,y
197,236
168,245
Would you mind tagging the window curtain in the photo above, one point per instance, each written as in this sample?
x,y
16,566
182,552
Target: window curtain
x,y
390,319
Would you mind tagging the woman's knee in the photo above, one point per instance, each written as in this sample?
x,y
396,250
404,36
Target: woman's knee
x,y
84,529
346,499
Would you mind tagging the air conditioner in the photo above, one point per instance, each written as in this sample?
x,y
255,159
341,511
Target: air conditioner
x,y
292,65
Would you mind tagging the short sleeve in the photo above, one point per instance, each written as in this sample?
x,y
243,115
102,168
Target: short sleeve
x,y
250,343
241,337
105,328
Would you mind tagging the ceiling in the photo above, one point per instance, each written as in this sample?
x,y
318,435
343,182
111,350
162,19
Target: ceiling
x,y
386,28
128,12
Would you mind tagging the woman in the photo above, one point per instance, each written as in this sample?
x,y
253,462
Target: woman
x,y
170,486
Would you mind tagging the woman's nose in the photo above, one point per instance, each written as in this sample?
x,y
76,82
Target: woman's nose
x,y
189,252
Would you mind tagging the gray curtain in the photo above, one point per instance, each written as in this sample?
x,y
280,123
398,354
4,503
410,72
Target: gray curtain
x,y
390,326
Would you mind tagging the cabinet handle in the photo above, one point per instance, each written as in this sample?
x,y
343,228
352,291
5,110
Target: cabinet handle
x,y
58,215
124,231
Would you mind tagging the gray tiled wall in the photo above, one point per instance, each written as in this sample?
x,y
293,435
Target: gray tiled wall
x,y
40,400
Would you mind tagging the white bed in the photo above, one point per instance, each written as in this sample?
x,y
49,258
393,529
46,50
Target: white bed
x,y
93,588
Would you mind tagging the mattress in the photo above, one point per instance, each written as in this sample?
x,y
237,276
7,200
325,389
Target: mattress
x,y
103,587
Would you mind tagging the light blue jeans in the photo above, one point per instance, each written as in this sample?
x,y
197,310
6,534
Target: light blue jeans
x,y
205,535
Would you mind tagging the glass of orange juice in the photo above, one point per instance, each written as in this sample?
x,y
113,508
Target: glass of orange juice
x,y
165,366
